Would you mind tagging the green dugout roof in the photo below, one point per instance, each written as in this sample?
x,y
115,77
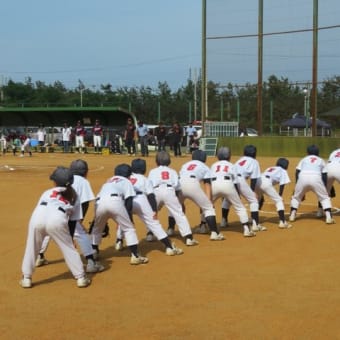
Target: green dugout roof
x,y
57,116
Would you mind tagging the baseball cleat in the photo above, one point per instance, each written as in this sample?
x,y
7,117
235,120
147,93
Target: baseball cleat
x,y
248,233
94,267
119,245
170,231
174,251
258,227
83,282
201,229
149,237
330,220
41,261
26,282
284,225
224,223
191,242
138,260
216,237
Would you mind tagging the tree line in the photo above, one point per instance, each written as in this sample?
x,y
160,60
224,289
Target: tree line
x,y
281,99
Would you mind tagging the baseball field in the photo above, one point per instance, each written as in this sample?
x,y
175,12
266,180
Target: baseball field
x,y
281,284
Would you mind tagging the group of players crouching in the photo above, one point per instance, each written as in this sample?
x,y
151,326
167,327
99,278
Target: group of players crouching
x,y
60,210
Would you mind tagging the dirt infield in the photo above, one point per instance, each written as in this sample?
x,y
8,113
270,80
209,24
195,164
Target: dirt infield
x,y
281,284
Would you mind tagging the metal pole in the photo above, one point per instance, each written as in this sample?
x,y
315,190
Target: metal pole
x,y
271,116
222,108
195,94
238,110
81,97
204,113
260,68
190,111
159,111
315,69
305,109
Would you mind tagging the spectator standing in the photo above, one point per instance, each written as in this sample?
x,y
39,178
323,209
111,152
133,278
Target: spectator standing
x,y
142,133
130,137
3,144
160,133
97,137
79,132
190,132
66,132
41,135
177,139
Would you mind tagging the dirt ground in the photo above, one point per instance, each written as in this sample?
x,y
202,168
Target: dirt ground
x,y
281,284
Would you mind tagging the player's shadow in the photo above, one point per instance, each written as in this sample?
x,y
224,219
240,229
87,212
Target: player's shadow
x,y
62,276
234,227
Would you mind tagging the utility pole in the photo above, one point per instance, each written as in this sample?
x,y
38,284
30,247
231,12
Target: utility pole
x,y
260,68
204,104
315,69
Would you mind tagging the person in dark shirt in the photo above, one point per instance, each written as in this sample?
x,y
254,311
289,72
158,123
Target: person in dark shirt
x,y
160,133
177,139
130,136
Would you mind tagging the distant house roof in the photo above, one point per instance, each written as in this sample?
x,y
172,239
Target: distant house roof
x,y
299,121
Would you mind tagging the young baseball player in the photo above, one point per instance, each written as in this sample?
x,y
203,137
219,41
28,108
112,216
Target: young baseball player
x,y
265,185
26,146
311,175
79,132
145,206
115,200
333,171
247,168
50,217
97,137
191,175
166,187
223,184
85,195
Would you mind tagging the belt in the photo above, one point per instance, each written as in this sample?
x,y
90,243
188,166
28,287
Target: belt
x,y
139,193
59,208
267,176
239,175
112,195
168,185
192,176
225,177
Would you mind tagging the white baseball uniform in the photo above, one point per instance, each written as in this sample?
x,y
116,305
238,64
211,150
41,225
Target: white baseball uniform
x,y
50,217
79,132
165,184
142,208
223,185
311,168
190,177
110,204
26,146
247,168
84,194
333,168
265,184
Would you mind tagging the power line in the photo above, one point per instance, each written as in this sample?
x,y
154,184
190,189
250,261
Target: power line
x,y
272,33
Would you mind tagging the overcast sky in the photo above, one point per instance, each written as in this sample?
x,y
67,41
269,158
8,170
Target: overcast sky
x,y
134,42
